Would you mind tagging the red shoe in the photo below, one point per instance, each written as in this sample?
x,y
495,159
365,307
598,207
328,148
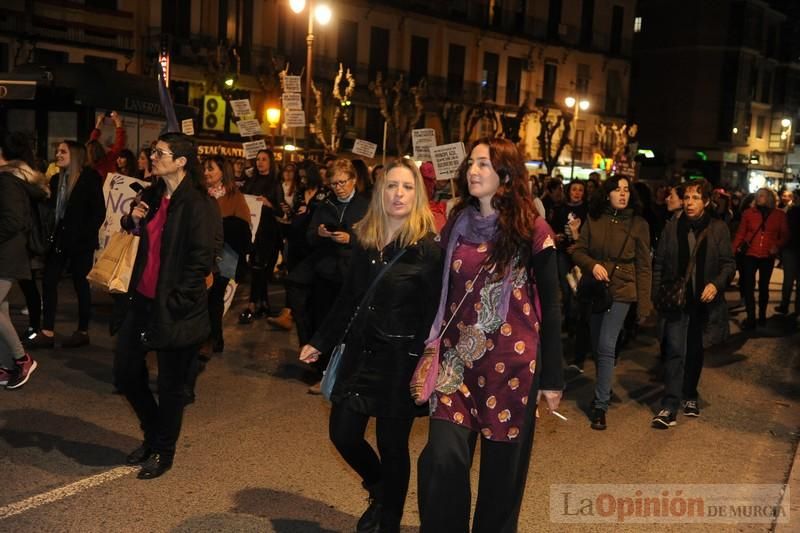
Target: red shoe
x,y
20,375
5,377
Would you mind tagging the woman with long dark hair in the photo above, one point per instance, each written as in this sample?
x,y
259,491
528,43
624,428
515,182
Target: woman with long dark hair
x,y
500,297
144,165
614,249
166,309
385,340
77,191
127,164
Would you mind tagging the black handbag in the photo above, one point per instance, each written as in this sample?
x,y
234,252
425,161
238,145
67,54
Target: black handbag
x,y
591,290
745,245
671,295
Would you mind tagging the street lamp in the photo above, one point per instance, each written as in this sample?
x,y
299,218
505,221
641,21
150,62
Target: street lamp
x,y
576,106
273,116
323,14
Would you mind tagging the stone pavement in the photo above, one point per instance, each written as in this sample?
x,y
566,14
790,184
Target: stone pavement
x,y
254,453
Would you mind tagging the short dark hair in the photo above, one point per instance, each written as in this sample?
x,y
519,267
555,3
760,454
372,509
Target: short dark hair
x,y
182,145
600,198
15,146
703,187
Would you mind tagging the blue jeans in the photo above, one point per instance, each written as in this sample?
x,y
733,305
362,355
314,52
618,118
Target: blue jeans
x,y
675,333
605,331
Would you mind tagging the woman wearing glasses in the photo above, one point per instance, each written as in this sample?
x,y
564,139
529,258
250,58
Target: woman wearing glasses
x,y
330,234
166,309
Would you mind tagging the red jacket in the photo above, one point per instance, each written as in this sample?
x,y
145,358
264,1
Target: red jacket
x,y
109,162
766,241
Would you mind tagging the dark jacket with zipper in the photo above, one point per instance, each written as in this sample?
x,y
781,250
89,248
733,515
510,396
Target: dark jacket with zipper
x,y
330,258
78,230
629,269
714,263
268,231
192,232
16,198
388,336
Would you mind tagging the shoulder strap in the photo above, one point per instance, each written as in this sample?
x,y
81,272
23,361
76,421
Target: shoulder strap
x,y
692,259
622,249
370,290
760,228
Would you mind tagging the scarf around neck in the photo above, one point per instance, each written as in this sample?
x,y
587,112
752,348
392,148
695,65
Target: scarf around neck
x,y
475,228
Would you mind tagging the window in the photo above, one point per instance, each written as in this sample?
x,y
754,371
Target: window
x,y
347,50
587,21
614,102
554,19
456,59
549,86
637,25
617,17
418,68
582,79
760,127
176,18
105,63
766,87
489,78
513,80
378,52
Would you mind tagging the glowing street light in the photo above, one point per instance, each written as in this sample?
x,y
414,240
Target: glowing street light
x,y
576,106
323,14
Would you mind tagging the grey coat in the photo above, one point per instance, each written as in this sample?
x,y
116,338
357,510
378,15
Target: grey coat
x,y
719,269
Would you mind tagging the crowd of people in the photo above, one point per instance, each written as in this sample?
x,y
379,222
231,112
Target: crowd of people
x,y
380,264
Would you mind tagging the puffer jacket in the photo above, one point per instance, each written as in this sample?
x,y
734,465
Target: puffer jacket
x,y
600,243
16,198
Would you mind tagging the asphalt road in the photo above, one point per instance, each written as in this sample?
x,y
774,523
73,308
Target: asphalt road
x,y
254,453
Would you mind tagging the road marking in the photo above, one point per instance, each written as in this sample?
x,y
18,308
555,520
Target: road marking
x,y
64,492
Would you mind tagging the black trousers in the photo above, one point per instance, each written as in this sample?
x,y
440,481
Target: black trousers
x,y
33,301
216,305
298,298
80,265
160,421
323,296
262,267
751,265
444,480
389,469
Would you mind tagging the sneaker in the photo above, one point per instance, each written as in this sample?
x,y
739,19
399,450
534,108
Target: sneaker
x,y
663,420
76,340
40,340
690,408
246,317
598,419
5,376
575,367
283,321
20,375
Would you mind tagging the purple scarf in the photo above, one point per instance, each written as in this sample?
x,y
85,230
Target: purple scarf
x,y
473,227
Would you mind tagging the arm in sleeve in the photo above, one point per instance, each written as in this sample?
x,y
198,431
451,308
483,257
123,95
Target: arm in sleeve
x,y
644,277
783,232
432,289
727,264
95,135
98,202
312,236
580,251
741,231
545,267
120,138
332,328
659,259
12,218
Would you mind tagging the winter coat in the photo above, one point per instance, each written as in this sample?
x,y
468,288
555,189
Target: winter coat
x,y
330,258
388,336
16,197
715,258
179,316
600,243
85,212
268,231
774,235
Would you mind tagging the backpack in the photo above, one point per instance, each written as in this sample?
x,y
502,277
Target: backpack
x,y
43,226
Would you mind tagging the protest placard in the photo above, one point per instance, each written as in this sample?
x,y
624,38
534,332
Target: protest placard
x,y
364,148
249,127
118,192
187,126
251,148
291,84
255,213
241,108
446,159
292,101
294,118
423,140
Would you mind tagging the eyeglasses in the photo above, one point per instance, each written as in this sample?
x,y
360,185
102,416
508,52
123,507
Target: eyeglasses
x,y
158,153
336,184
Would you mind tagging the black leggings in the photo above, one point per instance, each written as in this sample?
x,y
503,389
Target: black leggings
x,y
764,266
216,305
391,470
33,300
80,265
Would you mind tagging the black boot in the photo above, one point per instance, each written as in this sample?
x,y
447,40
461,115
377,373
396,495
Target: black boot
x,y
370,520
598,419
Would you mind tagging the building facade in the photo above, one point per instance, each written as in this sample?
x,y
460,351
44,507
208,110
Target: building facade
x,y
716,88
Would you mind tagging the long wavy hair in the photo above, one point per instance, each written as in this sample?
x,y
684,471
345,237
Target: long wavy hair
x,y
372,230
78,161
513,202
600,198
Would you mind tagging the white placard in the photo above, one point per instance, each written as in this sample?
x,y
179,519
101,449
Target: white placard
x,y
249,127
364,148
187,126
446,159
251,148
423,140
291,84
294,118
255,213
292,101
118,192
227,299
241,108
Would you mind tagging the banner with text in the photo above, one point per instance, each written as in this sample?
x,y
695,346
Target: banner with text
x,y
255,213
118,191
423,140
251,148
446,159
241,108
364,148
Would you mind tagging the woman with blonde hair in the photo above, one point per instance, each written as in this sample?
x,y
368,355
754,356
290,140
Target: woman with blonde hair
x,y
389,299
80,210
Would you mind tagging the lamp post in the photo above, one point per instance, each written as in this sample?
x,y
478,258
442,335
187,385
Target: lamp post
x,y
273,116
323,15
576,106
786,137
